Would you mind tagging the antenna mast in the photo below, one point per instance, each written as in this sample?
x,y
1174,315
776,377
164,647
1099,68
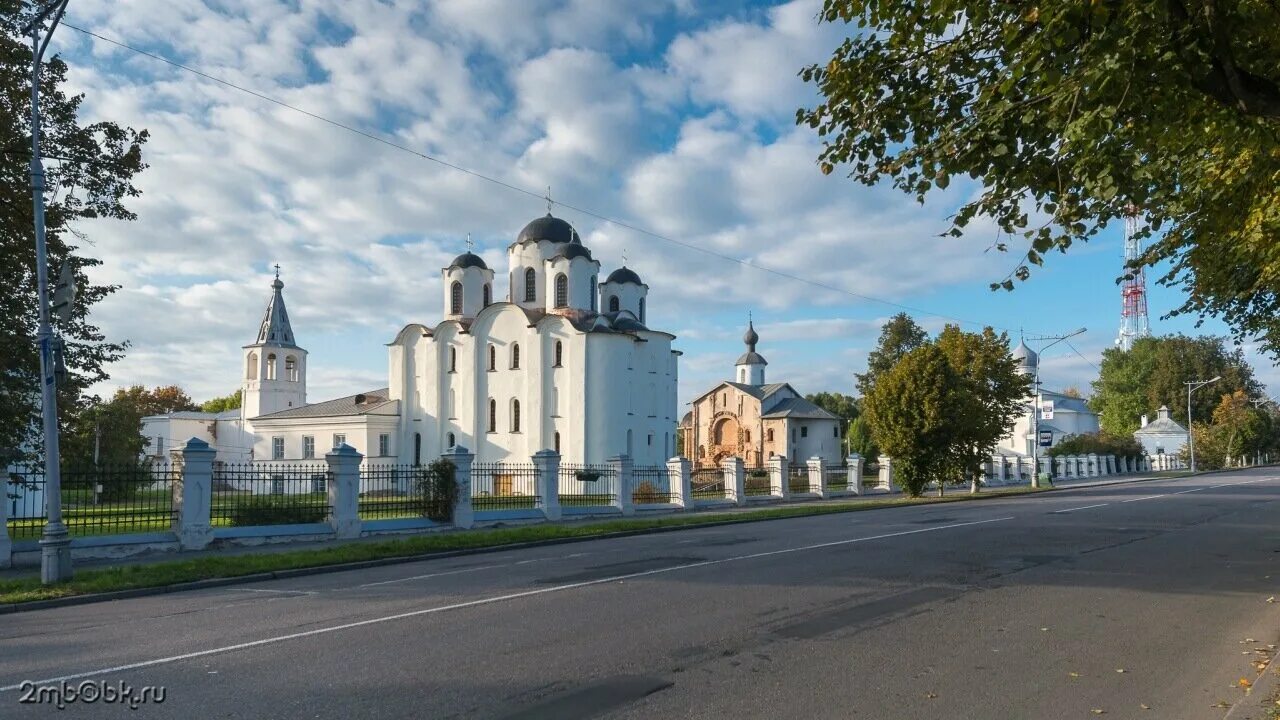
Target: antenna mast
x,y
1133,290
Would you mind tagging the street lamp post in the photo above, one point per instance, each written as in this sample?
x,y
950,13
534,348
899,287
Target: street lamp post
x,y
55,541
1035,403
1192,386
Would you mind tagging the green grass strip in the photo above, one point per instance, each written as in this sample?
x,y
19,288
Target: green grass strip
x,y
128,577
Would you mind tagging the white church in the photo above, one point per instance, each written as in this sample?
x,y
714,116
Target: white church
x,y
565,363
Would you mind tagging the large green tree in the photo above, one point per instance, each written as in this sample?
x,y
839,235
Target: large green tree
x,y
913,409
1153,372
116,425
994,394
89,174
1071,115
222,404
899,336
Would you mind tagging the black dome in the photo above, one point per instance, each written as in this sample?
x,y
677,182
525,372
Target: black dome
x,y
624,274
549,228
572,250
469,259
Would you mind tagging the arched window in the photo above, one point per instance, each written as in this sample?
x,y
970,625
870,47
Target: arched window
x,y
769,435
641,309
515,356
493,358
595,300
455,298
515,415
493,415
613,303
562,291
451,440
251,369
530,285
453,359
488,294
559,354
271,367
557,442
291,369
746,436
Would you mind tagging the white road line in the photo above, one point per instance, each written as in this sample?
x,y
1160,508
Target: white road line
x,y
422,577
1086,507
485,601
1149,497
1184,492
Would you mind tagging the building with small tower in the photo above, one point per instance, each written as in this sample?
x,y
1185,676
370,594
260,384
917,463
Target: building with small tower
x,y
751,419
1069,416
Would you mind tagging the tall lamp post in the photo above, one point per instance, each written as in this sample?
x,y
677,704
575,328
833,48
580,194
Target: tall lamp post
x,y
1192,386
55,541
1035,402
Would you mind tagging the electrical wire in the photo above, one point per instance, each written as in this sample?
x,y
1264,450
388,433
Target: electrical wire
x,y
525,191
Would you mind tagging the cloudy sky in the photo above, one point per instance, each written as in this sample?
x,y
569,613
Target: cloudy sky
x,y
670,115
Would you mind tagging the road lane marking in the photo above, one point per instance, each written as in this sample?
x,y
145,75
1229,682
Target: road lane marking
x,y
486,601
1184,492
1149,497
421,577
1086,507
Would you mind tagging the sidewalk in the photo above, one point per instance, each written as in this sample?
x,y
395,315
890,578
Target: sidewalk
x,y
751,506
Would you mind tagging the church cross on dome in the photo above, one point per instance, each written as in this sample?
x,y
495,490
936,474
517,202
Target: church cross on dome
x,y
277,271
548,199
470,245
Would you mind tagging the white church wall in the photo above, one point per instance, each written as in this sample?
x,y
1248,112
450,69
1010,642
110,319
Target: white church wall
x,y
628,294
502,327
359,431
473,281
578,273
521,257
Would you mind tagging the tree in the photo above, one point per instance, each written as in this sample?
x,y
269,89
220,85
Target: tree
x,y
1240,425
1072,391
89,173
1071,115
118,425
899,336
994,394
860,440
222,404
1153,372
912,410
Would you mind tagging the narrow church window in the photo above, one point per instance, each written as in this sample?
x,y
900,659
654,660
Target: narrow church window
x,y
493,415
251,372
493,358
641,309
559,354
451,440
594,299
515,356
488,294
417,449
291,369
835,431
613,303
530,285
769,435
455,298
746,436
271,366
557,442
804,431
453,359
515,416
562,291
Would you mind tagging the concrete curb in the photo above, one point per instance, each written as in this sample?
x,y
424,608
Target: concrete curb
x,y
400,560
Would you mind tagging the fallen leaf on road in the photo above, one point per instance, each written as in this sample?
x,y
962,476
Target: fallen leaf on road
x,y
1044,629
1221,704
1144,706
1120,670
931,695
1074,674
1271,599
1098,711
1244,682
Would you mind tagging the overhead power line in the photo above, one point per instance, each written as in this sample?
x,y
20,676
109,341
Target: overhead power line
x,y
525,191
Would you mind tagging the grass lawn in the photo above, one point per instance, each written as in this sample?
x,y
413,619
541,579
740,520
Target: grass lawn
x,y
125,577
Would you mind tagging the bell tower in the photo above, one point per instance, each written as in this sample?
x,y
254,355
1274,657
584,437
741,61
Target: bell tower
x,y
274,373
749,370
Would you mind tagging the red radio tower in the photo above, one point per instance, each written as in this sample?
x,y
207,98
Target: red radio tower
x,y
1133,291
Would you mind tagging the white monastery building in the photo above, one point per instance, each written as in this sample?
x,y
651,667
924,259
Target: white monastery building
x,y
1071,415
566,362
1164,436
747,418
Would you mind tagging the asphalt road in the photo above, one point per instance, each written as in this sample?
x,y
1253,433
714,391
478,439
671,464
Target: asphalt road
x,y
1052,606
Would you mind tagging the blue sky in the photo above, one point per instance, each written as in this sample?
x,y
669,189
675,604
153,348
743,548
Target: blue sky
x,y
670,115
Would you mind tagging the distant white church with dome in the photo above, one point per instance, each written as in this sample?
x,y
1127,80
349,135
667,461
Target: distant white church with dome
x,y
1071,415
565,363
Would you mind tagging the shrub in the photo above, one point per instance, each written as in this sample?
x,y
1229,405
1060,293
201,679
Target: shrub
x,y
647,492
438,487
276,510
1101,443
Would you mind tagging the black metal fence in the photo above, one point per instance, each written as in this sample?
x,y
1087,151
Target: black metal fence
x,y
707,483
798,478
263,493
404,491
755,482
837,477
505,486
587,485
651,485
106,500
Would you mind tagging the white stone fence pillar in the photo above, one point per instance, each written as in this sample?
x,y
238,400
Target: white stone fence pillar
x,y
855,473
547,464
734,479
679,482
997,473
886,473
817,480
621,466
778,485
464,515
193,494
344,490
